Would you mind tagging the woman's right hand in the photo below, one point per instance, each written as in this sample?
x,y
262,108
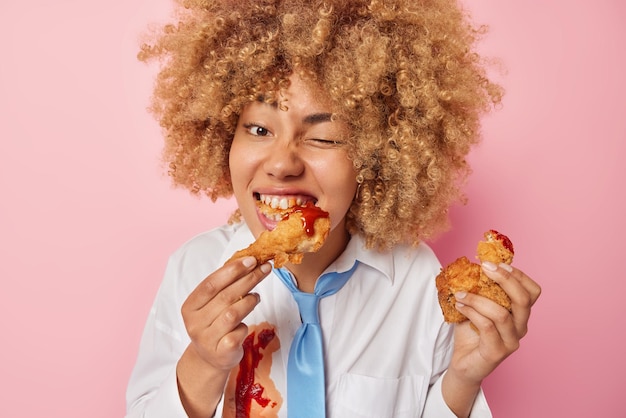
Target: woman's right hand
x,y
214,310
213,315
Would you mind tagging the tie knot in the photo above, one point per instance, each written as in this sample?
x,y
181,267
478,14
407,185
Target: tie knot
x,y
308,303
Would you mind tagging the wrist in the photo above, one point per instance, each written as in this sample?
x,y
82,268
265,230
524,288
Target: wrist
x,y
461,378
200,385
459,393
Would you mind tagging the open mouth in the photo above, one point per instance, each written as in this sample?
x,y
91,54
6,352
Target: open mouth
x,y
274,207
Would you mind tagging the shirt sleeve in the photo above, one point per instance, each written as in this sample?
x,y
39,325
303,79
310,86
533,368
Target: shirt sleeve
x,y
153,389
163,402
436,406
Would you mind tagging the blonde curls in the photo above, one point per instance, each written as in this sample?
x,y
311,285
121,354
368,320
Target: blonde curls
x,y
404,73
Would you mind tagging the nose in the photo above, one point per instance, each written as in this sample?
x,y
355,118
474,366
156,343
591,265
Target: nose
x,y
284,160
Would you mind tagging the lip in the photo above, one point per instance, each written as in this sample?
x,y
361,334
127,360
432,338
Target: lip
x,y
267,223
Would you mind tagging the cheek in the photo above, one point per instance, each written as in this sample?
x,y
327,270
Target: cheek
x,y
344,171
341,178
237,163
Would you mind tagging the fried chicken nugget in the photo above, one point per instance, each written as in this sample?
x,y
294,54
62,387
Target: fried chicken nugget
x,y
302,229
464,276
496,247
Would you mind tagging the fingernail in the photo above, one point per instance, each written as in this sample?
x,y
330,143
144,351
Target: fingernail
x,y
266,268
460,295
249,261
488,265
506,267
258,297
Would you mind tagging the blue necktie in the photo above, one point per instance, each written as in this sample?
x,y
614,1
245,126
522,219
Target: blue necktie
x,y
306,386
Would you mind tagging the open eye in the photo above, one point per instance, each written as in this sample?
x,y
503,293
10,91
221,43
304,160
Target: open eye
x,y
256,130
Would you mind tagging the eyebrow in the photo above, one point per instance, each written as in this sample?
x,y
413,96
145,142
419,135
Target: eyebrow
x,y
309,119
318,118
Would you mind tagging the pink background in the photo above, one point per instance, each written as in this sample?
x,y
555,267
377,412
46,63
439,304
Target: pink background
x,y
87,219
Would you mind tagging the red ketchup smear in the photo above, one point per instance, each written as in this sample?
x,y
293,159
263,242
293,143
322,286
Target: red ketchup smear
x,y
506,242
247,390
309,213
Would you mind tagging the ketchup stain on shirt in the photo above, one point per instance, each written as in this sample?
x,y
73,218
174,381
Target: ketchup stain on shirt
x,y
247,389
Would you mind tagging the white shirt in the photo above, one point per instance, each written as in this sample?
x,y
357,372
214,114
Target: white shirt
x,y
386,345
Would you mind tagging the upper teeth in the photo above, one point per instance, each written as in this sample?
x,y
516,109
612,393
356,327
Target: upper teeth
x,y
281,202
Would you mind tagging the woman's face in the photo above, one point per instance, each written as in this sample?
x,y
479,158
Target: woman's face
x,y
292,153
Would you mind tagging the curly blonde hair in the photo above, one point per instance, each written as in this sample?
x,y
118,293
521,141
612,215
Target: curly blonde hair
x,y
403,73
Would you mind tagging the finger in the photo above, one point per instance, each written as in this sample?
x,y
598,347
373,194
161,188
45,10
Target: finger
x,y
230,319
236,290
217,281
495,324
233,341
533,288
224,333
522,291
229,307
503,272
229,348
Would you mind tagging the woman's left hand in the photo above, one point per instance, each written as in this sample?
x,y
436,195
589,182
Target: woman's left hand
x,y
477,352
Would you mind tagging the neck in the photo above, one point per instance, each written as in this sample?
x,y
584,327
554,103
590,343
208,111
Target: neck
x,y
313,264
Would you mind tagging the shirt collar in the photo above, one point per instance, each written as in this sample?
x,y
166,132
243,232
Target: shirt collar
x,y
241,238
378,260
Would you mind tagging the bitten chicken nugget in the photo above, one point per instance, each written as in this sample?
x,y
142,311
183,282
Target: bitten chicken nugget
x,y
496,248
464,276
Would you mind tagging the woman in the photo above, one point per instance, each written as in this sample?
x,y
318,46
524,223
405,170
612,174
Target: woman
x,y
367,109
